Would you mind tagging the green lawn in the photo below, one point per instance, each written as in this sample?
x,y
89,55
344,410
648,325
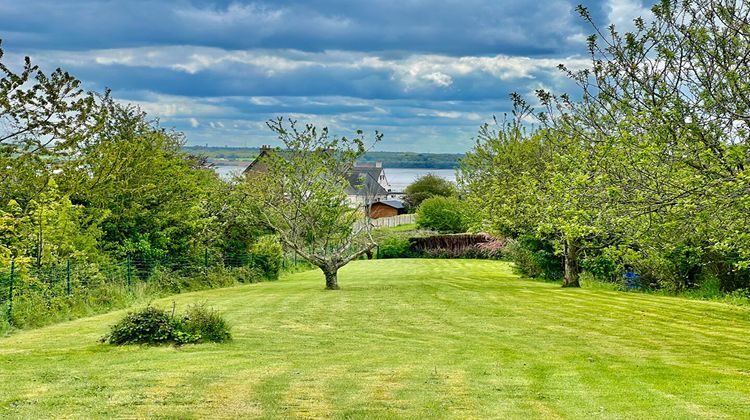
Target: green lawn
x,y
404,338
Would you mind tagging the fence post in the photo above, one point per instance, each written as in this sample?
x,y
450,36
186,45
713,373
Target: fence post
x,y
67,269
129,267
10,290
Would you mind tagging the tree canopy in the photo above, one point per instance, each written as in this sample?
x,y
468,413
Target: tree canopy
x,y
649,167
426,186
87,178
301,195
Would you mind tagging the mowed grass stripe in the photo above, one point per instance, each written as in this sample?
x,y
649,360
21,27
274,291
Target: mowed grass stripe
x,y
404,338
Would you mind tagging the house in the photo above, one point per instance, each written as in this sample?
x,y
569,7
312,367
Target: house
x,y
258,165
386,208
367,181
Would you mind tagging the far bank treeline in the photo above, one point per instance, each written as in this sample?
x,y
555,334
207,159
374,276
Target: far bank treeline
x,y
87,179
389,159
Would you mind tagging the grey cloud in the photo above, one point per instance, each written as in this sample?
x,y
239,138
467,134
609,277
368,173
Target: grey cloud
x,y
467,27
426,73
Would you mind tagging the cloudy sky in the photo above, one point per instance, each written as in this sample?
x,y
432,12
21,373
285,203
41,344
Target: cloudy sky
x,y
425,73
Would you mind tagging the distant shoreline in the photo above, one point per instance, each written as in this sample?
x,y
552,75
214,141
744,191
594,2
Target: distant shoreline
x,y
230,162
242,156
403,165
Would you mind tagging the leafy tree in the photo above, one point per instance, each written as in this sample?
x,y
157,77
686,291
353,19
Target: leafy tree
x,y
43,120
301,196
234,224
652,159
668,108
542,184
57,229
426,186
150,196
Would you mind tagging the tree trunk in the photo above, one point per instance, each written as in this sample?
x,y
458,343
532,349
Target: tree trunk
x,y
571,265
332,282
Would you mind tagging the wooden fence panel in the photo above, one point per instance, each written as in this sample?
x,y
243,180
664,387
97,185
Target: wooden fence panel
x,y
394,221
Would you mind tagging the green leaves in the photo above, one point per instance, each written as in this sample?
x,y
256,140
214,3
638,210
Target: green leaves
x,y
442,214
301,191
655,155
426,186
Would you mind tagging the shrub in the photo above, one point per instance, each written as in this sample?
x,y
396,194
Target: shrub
x,y
479,246
687,264
205,324
443,214
726,266
167,280
215,277
494,249
267,256
689,268
155,326
247,274
147,326
395,247
535,257
602,267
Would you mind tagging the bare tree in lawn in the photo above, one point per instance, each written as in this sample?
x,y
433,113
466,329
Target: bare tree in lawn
x,y
302,195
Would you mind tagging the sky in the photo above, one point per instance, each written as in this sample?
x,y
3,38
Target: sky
x,y
426,74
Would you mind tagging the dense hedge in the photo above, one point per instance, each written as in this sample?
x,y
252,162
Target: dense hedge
x,y
479,246
442,214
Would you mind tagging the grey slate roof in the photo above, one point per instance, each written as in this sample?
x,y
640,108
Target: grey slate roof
x,y
396,204
363,180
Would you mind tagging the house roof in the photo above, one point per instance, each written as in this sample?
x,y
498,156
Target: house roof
x,y
396,204
367,178
363,180
257,164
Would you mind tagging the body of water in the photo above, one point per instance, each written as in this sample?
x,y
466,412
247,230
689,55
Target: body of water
x,y
399,178
228,171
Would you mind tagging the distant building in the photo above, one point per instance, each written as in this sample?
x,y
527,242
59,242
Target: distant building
x,y
258,165
367,181
386,208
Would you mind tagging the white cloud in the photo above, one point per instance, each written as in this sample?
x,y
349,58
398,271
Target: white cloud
x,y
412,71
264,100
455,115
439,79
176,106
579,38
234,13
621,13
194,122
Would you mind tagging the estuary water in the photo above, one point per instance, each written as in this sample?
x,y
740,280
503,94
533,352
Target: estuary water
x,y
399,178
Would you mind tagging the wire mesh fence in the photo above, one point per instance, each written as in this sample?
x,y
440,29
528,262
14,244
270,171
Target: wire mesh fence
x,y
67,278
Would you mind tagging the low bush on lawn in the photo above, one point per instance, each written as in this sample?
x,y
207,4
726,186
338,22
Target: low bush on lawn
x,y
154,326
205,323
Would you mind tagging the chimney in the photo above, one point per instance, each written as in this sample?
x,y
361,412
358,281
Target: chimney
x,y
265,148
378,164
